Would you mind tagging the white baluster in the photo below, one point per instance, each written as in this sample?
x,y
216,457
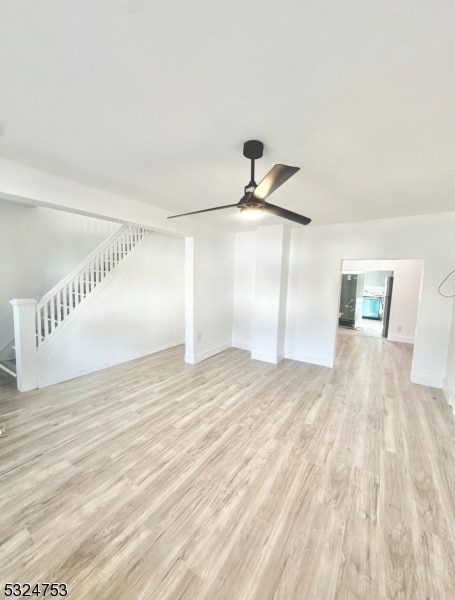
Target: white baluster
x,y
58,310
84,284
39,324
115,252
46,319
62,310
52,314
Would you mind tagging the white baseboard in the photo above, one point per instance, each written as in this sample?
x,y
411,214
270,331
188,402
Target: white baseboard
x,y
322,361
449,395
46,380
405,339
274,359
427,380
193,359
242,345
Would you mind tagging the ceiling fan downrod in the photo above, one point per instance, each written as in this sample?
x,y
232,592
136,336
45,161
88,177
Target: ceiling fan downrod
x,y
253,149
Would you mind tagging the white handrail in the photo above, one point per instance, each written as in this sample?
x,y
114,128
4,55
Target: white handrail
x,y
57,304
80,266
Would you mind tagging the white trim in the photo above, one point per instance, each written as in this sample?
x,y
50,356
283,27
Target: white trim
x,y
47,381
274,359
426,380
406,339
321,361
7,370
193,359
449,394
242,345
23,302
24,317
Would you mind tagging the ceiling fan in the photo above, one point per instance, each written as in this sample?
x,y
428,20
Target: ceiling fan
x,y
253,203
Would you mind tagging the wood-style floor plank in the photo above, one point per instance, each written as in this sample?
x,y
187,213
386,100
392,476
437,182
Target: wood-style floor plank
x,y
233,479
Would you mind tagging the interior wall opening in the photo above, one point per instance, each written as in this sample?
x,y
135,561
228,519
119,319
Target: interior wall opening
x,y
380,298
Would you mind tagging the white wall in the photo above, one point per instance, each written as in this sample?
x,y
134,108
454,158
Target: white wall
x,y
38,247
316,256
449,383
270,293
137,310
427,237
209,272
405,296
244,286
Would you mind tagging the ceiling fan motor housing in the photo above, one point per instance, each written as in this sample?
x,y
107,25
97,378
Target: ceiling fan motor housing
x,y
248,199
253,149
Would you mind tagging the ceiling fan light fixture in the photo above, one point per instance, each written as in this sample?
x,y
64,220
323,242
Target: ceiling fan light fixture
x,y
252,213
253,205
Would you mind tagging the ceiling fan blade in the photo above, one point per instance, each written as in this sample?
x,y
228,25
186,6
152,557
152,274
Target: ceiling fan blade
x,y
195,212
286,214
274,178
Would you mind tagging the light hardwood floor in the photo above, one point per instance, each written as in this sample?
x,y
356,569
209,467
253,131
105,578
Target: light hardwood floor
x,y
233,479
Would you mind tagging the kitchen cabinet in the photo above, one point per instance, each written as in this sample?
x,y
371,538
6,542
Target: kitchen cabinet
x,y
376,278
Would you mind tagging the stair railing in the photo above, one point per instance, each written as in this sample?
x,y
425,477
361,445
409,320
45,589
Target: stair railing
x,y
55,306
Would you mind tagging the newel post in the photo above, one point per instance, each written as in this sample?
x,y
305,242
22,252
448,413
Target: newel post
x,y
25,342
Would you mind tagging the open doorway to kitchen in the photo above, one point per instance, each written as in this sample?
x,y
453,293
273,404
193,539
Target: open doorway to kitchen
x,y
380,298
365,300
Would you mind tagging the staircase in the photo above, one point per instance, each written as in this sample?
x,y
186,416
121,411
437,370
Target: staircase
x,y
35,322
64,298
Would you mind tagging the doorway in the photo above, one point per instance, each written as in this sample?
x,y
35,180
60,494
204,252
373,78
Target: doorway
x,y
383,300
365,300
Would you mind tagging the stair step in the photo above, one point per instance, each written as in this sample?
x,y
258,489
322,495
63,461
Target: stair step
x,y
9,366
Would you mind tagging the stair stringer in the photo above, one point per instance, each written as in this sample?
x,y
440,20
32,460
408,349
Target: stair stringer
x,y
7,352
8,359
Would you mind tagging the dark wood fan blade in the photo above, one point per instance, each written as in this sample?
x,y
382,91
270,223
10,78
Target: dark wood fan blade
x,y
274,178
286,214
195,212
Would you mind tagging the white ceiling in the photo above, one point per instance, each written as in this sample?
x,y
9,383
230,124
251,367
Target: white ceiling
x,y
155,99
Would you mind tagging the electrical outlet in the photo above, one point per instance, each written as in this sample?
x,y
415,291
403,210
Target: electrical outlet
x,y
199,336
